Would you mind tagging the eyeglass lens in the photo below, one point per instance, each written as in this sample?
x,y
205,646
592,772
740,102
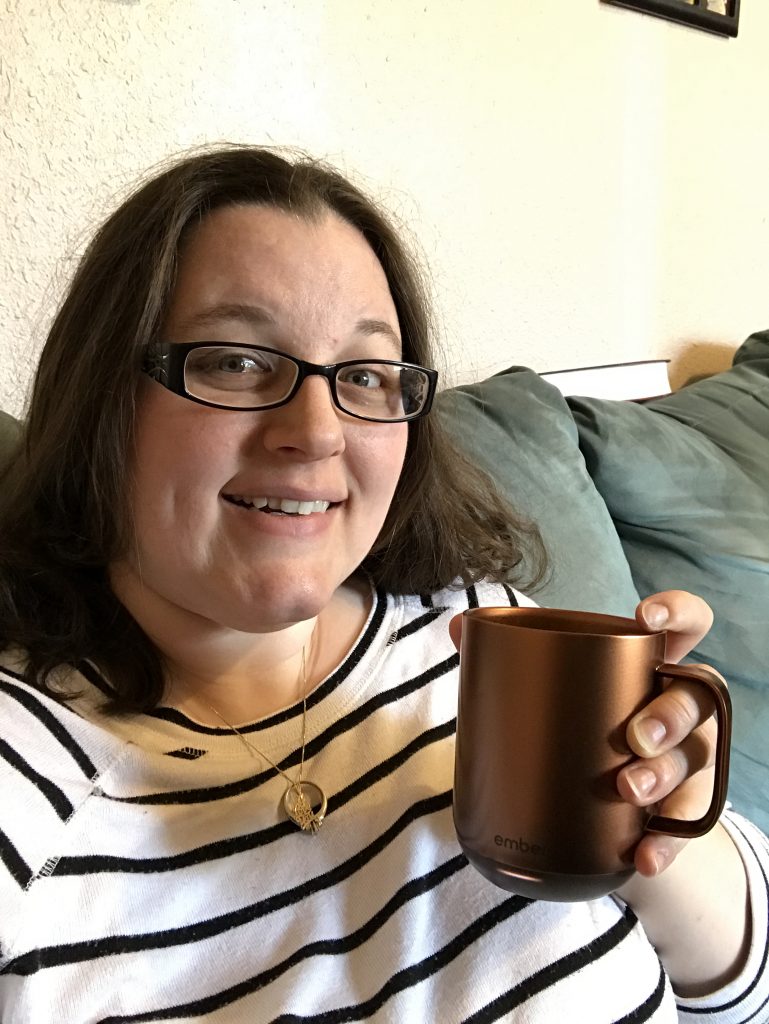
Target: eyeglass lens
x,y
249,378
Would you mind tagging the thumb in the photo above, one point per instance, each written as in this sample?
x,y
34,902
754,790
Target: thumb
x,y
455,629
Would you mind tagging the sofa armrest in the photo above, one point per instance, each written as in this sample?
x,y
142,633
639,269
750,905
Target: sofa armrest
x,y
10,431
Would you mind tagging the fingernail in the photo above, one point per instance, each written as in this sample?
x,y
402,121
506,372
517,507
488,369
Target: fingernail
x,y
661,861
655,615
651,732
641,780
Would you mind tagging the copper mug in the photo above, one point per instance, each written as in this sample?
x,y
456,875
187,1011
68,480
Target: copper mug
x,y
544,701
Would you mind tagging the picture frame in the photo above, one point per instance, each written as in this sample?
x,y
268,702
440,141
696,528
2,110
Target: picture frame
x,y
719,16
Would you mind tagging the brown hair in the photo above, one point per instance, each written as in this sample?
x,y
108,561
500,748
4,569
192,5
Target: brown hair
x,y
64,514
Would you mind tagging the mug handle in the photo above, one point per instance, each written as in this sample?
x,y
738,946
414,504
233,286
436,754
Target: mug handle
x,y
717,686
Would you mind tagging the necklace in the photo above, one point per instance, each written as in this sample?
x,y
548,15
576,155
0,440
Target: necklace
x,y
302,796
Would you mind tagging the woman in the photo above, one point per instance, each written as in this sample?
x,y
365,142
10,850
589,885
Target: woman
x,y
228,748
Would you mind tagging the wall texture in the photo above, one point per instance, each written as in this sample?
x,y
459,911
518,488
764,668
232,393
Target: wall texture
x,y
587,184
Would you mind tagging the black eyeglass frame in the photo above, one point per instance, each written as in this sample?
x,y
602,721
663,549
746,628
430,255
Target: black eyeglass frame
x,y
164,362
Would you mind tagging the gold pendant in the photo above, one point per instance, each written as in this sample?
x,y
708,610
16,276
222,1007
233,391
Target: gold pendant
x,y
300,809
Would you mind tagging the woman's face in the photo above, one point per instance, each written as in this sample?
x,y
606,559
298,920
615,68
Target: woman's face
x,y
315,290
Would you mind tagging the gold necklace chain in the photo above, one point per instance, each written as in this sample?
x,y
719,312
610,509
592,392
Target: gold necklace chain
x,y
299,807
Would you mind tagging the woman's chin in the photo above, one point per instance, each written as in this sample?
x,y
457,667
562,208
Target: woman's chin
x,y
272,608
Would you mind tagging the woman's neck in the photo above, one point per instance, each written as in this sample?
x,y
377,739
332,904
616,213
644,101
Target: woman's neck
x,y
215,673
242,677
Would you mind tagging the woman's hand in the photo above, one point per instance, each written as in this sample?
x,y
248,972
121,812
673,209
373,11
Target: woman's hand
x,y
674,735
697,915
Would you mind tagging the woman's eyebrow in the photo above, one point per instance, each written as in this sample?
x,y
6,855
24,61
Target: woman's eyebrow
x,y
253,315
257,316
370,327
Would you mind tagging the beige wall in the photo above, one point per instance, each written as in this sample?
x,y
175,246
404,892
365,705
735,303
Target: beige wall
x,y
588,184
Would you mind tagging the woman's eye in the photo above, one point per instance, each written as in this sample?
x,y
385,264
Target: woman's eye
x,y
363,378
211,363
236,364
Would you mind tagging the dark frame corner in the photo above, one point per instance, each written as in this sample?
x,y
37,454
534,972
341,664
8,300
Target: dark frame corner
x,y
697,16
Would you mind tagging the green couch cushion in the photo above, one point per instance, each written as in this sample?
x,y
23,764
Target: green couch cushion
x,y
10,430
686,480
519,428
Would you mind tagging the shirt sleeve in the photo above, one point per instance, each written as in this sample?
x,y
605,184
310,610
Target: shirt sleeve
x,y
745,1000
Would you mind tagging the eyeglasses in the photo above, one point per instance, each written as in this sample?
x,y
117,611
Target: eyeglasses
x,y
249,377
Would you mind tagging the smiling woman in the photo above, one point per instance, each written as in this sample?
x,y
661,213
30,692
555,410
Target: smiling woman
x,y
234,549
220,248
197,552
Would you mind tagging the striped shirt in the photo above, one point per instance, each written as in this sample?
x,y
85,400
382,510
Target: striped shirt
x,y
148,872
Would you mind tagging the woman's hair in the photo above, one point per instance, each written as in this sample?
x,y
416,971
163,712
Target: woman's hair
x,y
65,507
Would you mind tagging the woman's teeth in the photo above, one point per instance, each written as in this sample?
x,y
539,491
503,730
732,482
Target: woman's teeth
x,y
286,505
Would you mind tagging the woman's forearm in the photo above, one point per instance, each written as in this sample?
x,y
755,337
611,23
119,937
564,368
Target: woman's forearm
x,y
696,914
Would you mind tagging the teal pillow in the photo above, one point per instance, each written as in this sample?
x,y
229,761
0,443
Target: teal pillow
x,y
10,430
686,479
519,428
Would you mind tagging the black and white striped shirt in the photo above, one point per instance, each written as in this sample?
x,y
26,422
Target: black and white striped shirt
x,y
147,872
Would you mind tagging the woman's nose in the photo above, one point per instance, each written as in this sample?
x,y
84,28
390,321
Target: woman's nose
x,y
310,423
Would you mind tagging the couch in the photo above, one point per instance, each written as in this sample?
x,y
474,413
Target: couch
x,y
634,498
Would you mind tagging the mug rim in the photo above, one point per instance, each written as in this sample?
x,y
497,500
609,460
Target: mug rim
x,y
562,620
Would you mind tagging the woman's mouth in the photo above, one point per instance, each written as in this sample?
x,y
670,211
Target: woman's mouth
x,y
278,506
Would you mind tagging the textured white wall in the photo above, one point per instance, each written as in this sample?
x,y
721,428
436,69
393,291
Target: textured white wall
x,y
588,184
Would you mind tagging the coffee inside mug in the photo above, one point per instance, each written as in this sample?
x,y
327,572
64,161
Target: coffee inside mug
x,y
545,697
